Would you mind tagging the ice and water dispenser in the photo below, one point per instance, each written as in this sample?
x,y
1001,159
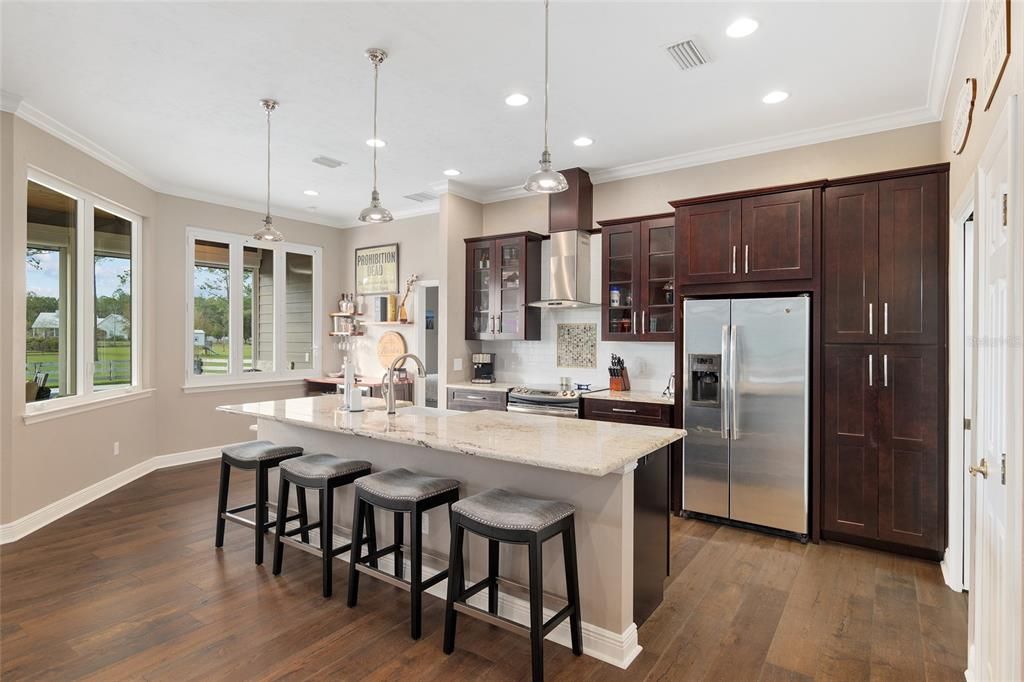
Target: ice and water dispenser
x,y
705,380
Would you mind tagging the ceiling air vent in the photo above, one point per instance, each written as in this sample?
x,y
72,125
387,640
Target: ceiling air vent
x,y
686,55
421,197
328,161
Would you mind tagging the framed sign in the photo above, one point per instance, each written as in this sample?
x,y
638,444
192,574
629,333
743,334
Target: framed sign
x,y
377,269
996,44
963,115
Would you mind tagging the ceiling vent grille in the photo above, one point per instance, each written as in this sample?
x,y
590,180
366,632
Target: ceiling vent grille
x,y
328,161
421,197
686,55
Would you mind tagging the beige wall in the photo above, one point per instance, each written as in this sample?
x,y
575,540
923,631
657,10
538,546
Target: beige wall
x,y
915,146
458,219
968,65
43,462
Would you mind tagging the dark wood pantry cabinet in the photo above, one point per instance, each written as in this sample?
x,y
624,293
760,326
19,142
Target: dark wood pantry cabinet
x,y
638,257
502,278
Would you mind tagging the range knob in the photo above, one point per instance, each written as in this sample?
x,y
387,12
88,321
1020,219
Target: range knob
x,y
572,394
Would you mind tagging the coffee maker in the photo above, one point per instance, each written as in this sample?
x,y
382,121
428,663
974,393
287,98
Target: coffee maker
x,y
483,368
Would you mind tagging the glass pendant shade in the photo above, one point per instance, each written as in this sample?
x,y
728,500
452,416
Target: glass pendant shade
x,y
545,180
375,213
267,233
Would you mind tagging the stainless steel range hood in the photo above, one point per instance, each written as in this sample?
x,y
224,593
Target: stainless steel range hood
x,y
570,217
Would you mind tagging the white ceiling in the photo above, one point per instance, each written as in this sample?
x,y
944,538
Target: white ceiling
x,y
170,91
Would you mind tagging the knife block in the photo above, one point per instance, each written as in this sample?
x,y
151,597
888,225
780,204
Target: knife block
x,y
620,383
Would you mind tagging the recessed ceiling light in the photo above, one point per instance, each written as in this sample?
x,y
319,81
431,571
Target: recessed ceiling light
x,y
516,99
775,96
741,28
452,172
374,142
583,142
311,193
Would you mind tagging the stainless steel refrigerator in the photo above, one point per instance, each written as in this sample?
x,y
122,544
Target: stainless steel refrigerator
x,y
747,390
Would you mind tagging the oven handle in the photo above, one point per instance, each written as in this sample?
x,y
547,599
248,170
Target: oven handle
x,y
548,411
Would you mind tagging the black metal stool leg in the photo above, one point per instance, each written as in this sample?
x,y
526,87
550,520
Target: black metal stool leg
x,y
300,493
572,585
282,514
455,586
492,574
327,539
415,580
222,501
399,539
262,483
536,610
355,552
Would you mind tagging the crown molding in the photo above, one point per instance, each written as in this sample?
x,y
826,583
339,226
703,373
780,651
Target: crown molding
x,y
9,102
459,189
952,20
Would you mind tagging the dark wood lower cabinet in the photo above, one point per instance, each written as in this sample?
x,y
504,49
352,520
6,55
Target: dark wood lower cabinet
x,y
883,466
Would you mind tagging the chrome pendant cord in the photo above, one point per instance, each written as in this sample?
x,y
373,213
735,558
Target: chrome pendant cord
x,y
547,82
376,75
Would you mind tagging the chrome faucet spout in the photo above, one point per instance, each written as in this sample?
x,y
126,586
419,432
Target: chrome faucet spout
x,y
421,371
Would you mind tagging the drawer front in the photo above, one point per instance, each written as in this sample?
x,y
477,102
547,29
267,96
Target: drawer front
x,y
649,414
468,400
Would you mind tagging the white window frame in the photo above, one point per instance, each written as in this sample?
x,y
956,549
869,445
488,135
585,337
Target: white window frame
x,y
236,376
85,309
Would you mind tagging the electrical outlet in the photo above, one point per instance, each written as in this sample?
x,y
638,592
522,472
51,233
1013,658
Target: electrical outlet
x,y
117,448
457,364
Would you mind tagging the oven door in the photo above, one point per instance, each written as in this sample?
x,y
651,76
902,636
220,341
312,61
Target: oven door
x,y
546,410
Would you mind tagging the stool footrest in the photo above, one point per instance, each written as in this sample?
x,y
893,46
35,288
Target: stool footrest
x,y
490,618
299,544
240,520
244,507
381,575
557,618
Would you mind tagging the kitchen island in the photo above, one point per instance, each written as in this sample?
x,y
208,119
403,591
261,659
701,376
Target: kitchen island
x,y
596,466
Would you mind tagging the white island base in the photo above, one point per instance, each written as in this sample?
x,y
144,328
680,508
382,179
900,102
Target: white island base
x,y
588,464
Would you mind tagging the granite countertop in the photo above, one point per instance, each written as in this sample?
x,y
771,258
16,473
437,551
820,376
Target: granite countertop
x,y
592,448
630,397
498,386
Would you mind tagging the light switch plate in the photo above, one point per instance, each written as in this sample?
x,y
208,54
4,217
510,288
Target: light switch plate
x,y
457,364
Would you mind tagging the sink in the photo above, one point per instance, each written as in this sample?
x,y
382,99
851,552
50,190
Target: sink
x,y
419,411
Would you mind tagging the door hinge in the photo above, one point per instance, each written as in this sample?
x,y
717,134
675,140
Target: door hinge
x,y
1006,211
967,423
1002,469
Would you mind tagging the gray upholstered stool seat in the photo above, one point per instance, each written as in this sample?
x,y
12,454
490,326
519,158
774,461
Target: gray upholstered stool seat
x,y
502,509
259,450
321,465
404,485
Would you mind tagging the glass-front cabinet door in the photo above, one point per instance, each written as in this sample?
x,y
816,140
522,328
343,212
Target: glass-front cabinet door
x,y
620,298
657,312
502,279
508,288
480,318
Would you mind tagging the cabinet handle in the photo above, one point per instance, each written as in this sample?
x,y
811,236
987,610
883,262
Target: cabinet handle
x,y
500,324
885,370
634,322
885,318
734,259
643,321
746,259
620,409
472,397
871,319
871,369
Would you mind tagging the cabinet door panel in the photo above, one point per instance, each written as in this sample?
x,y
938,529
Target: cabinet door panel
x,y
709,238
908,459
851,453
480,289
657,279
778,236
850,274
620,278
908,248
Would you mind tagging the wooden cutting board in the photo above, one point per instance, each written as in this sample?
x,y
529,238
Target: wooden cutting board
x,y
390,346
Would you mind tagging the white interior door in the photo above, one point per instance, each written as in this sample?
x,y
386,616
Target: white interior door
x,y
995,588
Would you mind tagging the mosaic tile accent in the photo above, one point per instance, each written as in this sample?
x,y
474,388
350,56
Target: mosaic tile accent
x,y
577,345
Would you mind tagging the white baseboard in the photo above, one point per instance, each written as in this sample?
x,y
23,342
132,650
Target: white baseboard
x,y
616,649
952,581
19,528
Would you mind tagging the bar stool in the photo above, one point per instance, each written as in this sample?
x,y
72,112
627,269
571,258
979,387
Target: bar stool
x,y
402,492
261,455
501,516
324,473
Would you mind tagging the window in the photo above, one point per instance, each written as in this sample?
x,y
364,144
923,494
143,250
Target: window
x,y
254,309
80,295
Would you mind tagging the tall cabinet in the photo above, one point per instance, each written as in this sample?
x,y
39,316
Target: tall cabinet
x,y
884,322
502,279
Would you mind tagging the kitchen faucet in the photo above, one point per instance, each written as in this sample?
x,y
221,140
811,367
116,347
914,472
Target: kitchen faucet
x,y
390,385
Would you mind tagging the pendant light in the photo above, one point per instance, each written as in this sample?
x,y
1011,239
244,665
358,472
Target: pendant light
x,y
544,180
267,233
375,213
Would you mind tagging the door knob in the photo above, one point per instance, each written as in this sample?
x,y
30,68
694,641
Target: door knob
x,y
981,468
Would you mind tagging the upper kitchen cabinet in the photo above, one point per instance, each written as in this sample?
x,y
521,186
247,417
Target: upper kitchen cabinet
x,y
638,279
747,237
882,260
502,278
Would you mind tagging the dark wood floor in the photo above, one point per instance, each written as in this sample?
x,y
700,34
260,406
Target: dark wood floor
x,y
130,587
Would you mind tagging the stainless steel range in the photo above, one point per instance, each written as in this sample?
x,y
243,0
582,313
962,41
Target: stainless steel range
x,y
550,401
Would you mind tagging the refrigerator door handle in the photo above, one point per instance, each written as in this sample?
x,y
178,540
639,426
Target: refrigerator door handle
x,y
724,411
733,402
